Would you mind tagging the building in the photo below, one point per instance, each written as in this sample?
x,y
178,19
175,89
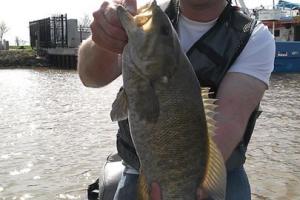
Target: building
x,y
57,38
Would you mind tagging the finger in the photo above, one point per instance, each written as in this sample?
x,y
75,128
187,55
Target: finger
x,y
110,13
105,41
106,17
201,195
103,6
131,6
116,32
106,35
155,192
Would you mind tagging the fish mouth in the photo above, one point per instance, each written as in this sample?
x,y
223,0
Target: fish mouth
x,y
143,18
145,13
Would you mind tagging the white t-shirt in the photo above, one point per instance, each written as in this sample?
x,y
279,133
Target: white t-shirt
x,y
256,59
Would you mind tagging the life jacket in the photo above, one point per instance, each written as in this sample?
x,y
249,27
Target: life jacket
x,y
211,56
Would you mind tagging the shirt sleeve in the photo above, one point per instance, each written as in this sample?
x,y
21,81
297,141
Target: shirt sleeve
x,y
257,58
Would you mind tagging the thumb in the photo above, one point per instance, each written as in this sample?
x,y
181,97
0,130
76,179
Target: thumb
x,y
155,192
201,194
131,6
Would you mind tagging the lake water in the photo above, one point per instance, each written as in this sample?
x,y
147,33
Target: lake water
x,y
55,135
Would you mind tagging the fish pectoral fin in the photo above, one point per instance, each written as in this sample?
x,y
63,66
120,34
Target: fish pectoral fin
x,y
215,178
119,110
143,192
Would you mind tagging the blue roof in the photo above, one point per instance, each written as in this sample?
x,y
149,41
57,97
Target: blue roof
x,y
286,4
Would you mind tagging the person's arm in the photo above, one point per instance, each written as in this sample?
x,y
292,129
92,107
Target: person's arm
x,y
238,96
96,66
98,56
242,88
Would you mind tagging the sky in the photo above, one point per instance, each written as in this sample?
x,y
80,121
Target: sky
x,y
16,14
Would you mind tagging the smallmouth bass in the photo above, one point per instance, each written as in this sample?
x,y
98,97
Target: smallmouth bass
x,y
169,114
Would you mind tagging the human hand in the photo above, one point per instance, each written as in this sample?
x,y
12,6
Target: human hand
x,y
107,31
155,192
156,195
201,195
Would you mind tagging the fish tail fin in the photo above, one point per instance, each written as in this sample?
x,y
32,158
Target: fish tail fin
x,y
143,192
215,177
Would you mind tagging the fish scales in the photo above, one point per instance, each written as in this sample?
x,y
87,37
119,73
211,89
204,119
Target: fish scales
x,y
163,103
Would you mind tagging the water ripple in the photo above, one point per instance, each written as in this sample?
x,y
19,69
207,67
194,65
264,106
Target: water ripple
x,y
56,134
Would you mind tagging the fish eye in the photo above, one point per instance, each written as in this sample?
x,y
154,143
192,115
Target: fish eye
x,y
165,30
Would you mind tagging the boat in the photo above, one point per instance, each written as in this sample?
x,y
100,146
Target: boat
x,y
283,20
105,186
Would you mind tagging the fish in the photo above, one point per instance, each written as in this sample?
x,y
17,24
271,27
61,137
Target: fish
x,y
170,115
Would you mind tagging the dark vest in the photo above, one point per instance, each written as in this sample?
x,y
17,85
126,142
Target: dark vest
x,y
211,56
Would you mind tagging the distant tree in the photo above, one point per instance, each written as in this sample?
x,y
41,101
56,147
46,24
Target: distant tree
x,y
17,41
85,21
3,29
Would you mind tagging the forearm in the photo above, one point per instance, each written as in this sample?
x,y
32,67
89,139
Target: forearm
x,y
228,135
97,67
238,96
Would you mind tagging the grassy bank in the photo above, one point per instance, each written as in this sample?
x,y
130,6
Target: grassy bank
x,y
19,58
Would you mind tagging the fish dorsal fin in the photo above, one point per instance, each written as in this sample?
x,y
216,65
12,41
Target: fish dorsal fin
x,y
210,110
215,177
119,107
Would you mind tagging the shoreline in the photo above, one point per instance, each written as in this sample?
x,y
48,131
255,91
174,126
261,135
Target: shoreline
x,y
21,58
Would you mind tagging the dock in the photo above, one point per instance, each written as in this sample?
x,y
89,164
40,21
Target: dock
x,y
57,38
